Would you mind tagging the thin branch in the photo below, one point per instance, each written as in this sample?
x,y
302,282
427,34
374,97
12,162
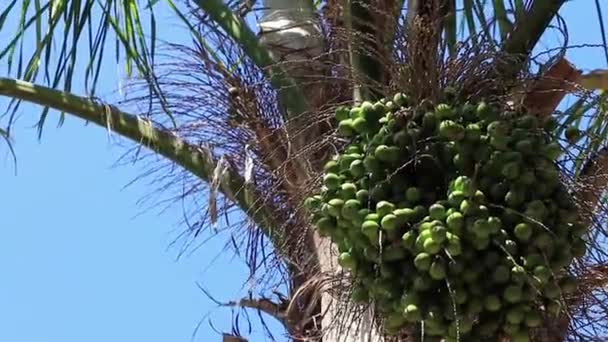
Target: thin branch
x,y
197,160
593,184
594,278
235,27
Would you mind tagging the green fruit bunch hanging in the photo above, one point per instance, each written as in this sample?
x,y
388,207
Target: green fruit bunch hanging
x,y
452,218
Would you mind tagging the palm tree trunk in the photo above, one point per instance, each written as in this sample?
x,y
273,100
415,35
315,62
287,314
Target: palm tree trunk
x,y
340,324
289,29
291,33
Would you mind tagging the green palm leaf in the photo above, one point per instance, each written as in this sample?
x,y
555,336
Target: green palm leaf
x,y
68,22
197,160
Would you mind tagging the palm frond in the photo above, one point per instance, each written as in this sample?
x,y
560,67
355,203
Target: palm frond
x,y
199,161
68,23
531,26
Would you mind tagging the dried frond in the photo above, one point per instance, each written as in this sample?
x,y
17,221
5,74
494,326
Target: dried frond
x,y
232,338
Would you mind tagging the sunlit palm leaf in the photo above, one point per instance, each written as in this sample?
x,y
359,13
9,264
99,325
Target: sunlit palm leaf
x,y
134,42
64,22
6,12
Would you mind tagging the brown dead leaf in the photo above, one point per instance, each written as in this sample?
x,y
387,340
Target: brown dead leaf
x,y
546,93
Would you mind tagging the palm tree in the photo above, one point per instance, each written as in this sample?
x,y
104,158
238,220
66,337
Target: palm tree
x,y
250,114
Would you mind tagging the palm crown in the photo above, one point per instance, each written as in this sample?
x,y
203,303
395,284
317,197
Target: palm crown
x,y
249,115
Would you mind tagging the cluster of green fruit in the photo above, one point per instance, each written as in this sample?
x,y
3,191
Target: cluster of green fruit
x,y
451,218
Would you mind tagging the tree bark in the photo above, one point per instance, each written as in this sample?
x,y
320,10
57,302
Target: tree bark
x,y
360,328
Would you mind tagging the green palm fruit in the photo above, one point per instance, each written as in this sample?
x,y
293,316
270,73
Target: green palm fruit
x,y
362,195
400,100
451,130
437,211
332,181
371,229
422,261
511,170
523,231
525,146
389,222
347,261
405,215
342,113
550,124
527,122
515,315
346,128
360,125
389,154
431,246
413,195
454,246
347,190
331,166
552,151
430,121
492,303
542,273
402,138
444,111
501,274
412,313
455,222
572,134
409,239
512,294
438,233
533,319
484,111
384,208
437,270
350,209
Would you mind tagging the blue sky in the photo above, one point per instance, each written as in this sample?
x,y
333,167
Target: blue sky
x,y
78,264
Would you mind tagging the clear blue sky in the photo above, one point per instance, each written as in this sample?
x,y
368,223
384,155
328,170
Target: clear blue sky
x,y
76,264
